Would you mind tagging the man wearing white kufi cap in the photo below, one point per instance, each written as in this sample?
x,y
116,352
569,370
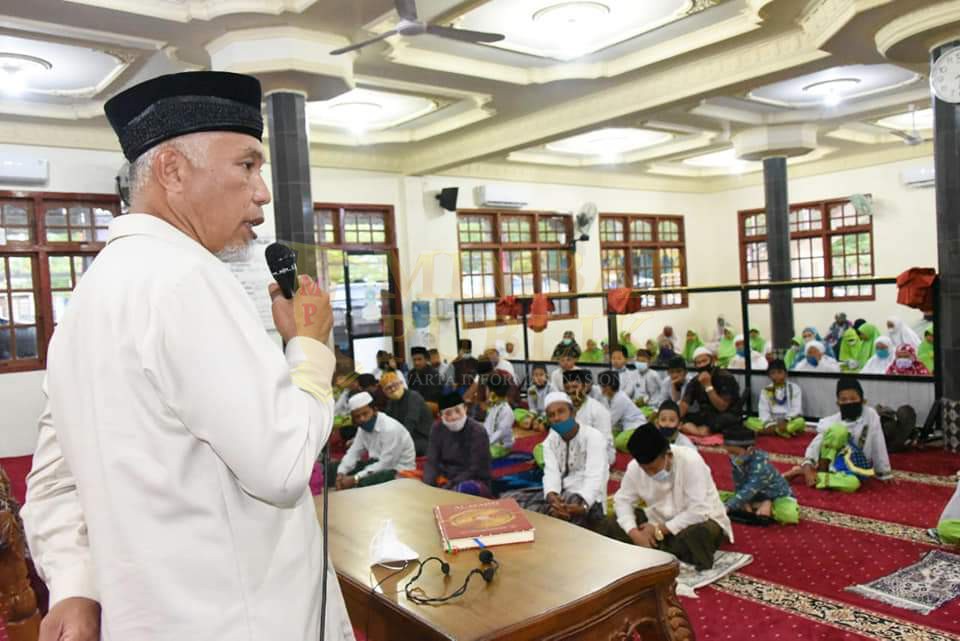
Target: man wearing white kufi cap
x,y
386,442
575,468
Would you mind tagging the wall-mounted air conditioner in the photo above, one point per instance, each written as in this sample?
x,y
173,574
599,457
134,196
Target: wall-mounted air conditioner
x,y
18,169
918,176
502,196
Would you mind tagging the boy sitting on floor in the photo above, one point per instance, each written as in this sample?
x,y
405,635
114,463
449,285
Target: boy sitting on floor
x,y
499,419
760,490
575,470
668,422
849,445
625,416
781,405
683,514
649,391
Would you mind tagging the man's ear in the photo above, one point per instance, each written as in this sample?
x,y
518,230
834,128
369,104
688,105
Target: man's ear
x,y
169,169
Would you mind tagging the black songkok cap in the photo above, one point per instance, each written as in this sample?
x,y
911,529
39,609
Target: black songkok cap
x,y
450,400
165,107
646,444
579,375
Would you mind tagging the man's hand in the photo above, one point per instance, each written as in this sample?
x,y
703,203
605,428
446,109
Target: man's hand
x,y
308,314
73,619
345,482
643,536
810,475
705,379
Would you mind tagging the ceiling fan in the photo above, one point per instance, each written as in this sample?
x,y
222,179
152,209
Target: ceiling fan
x,y
911,138
410,25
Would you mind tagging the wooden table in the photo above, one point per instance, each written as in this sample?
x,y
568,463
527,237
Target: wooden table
x,y
569,584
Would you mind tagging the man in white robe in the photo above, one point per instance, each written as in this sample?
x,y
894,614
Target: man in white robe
x,y
816,360
169,493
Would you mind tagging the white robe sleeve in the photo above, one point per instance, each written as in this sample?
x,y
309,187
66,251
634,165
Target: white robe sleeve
x,y
626,497
54,522
596,468
267,418
354,452
876,447
552,479
763,409
697,506
395,444
601,422
796,401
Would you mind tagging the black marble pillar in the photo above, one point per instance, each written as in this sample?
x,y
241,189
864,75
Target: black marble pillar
x,y
290,165
946,146
778,250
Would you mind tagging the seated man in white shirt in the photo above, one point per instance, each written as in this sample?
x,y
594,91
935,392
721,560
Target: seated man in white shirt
x,y
589,410
849,445
387,444
683,515
575,471
817,360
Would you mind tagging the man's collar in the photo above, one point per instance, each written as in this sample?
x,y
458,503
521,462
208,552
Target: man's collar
x,y
150,225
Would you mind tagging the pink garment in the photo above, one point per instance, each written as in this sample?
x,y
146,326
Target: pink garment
x,y
713,439
916,368
316,481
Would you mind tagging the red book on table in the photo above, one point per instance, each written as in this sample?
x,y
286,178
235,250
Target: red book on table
x,y
483,524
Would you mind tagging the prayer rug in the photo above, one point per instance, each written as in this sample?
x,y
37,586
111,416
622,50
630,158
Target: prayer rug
x,y
922,587
724,563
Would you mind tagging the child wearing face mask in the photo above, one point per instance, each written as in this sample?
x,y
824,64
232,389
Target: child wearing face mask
x,y
499,420
761,493
781,405
648,392
849,445
536,396
668,422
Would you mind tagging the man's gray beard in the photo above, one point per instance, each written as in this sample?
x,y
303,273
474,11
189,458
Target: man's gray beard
x,y
236,253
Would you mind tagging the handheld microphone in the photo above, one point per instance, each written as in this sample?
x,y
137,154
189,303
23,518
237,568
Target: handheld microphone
x,y
282,262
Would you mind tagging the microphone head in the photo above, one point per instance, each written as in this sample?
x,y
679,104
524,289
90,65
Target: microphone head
x,y
445,567
282,262
488,574
486,556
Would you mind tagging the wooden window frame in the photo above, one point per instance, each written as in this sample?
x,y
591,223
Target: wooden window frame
x,y
628,245
535,246
39,250
825,233
389,246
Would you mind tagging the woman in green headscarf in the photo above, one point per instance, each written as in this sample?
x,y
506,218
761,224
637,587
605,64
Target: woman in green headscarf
x,y
850,345
925,351
757,342
795,353
693,342
868,337
726,350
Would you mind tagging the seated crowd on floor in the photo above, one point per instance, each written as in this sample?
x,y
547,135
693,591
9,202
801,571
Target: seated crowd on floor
x,y
450,424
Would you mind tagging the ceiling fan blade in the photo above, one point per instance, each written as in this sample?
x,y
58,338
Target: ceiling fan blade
x,y
464,35
407,9
361,45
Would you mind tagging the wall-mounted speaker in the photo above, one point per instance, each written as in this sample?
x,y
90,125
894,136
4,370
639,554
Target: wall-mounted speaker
x,y
448,198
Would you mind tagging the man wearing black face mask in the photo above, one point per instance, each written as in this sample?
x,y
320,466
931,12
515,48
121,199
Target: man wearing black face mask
x,y
849,445
710,401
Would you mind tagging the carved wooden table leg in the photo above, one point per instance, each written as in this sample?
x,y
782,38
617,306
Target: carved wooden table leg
x,y
675,624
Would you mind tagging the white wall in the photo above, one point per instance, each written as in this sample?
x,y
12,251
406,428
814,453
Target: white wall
x,y
904,234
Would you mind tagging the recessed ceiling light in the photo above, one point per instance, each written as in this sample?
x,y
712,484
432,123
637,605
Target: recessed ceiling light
x,y
919,120
832,92
15,69
361,110
571,15
718,159
610,142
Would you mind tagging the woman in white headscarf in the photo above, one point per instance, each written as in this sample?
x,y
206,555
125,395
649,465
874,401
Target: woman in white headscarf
x,y
816,360
883,357
900,334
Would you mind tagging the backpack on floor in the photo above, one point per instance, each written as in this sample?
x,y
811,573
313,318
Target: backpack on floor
x,y
898,426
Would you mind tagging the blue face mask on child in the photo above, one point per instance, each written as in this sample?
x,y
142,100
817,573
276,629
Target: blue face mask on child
x,y
741,353
661,476
883,353
812,361
642,367
563,427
